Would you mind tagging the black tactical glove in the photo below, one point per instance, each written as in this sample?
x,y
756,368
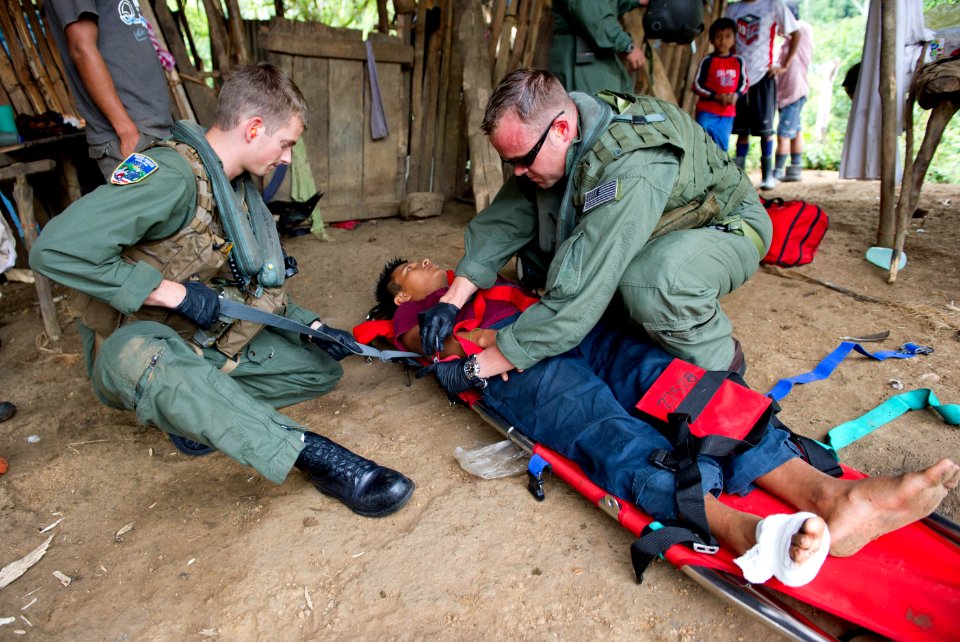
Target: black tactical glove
x,y
455,376
344,346
201,304
436,324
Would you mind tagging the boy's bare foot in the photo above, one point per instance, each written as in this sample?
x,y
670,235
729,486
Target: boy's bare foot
x,y
869,508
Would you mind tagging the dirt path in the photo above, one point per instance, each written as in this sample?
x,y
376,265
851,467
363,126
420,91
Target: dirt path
x,y
217,552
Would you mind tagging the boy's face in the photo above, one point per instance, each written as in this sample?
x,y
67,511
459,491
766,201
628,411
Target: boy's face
x,y
269,150
723,41
417,280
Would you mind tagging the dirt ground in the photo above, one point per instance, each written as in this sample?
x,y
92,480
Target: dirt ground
x,y
217,552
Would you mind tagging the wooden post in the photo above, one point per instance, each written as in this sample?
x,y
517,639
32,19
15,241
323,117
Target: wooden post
x,y
23,197
383,25
888,122
939,118
416,98
486,170
237,36
218,35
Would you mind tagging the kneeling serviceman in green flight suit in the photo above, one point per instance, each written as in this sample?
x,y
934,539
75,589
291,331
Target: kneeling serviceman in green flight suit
x,y
610,193
150,254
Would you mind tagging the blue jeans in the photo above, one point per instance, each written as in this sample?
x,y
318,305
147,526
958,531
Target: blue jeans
x,y
578,404
789,124
719,127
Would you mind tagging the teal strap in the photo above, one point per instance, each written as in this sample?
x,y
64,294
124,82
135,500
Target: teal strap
x,y
847,433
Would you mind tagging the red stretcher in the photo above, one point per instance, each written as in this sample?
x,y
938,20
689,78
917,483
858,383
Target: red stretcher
x,y
904,585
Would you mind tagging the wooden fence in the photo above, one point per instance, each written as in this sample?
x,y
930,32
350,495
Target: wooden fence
x,y
436,75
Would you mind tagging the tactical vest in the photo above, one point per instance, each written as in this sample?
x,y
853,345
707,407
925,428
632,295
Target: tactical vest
x,y
709,186
198,252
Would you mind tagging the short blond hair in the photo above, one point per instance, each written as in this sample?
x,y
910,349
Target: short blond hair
x,y
534,94
259,90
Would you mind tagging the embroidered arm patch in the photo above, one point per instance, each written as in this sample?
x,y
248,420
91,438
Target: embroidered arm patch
x,y
609,191
133,169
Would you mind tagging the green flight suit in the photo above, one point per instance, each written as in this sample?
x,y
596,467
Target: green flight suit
x,y
670,285
146,366
587,37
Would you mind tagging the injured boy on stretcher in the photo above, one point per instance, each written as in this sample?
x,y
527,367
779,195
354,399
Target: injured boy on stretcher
x,y
579,404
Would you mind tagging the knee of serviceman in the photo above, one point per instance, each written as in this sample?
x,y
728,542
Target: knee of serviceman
x,y
125,356
323,380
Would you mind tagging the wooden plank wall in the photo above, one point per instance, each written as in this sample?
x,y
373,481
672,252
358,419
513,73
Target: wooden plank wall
x,y
361,177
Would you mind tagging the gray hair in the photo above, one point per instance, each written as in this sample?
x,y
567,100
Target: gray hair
x,y
259,90
532,93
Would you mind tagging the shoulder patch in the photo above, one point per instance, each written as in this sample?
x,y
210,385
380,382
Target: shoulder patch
x,y
133,169
609,191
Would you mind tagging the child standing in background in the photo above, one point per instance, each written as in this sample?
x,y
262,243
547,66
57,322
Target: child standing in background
x,y
758,22
720,81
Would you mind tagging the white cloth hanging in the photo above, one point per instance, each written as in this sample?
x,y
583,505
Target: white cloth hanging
x,y
861,153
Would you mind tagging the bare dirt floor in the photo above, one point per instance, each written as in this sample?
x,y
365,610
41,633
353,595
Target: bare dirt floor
x,y
217,552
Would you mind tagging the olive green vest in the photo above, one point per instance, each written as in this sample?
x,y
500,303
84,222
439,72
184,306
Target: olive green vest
x,y
197,252
709,186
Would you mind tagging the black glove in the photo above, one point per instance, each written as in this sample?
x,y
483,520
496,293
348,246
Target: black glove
x,y
201,304
344,346
436,324
452,376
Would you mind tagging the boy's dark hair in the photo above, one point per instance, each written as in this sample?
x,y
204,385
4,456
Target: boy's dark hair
x,y
722,23
386,290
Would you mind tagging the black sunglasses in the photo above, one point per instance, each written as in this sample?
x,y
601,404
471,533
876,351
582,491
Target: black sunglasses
x,y
528,159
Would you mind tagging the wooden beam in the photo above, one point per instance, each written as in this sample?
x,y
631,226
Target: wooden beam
x,y
307,45
25,169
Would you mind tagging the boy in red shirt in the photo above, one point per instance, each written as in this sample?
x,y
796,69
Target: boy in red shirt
x,y
720,81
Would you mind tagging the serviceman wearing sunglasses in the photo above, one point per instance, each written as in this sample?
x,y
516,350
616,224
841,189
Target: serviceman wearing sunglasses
x,y
614,199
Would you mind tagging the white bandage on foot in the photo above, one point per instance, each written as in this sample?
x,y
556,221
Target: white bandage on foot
x,y
771,555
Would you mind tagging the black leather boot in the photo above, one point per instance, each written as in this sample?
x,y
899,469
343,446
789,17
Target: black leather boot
x,y
363,486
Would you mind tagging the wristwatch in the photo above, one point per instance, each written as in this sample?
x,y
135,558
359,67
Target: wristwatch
x,y
471,369
630,48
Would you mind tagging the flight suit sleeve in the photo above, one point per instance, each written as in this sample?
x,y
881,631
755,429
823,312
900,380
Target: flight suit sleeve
x,y
80,248
598,22
586,272
496,233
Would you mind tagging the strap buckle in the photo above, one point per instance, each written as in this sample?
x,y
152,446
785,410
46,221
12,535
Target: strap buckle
x,y
911,348
705,548
664,460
